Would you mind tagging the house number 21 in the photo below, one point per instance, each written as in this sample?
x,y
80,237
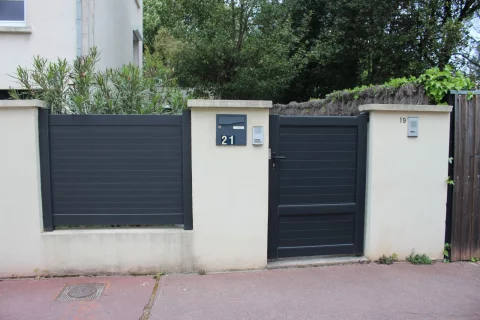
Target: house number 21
x,y
228,140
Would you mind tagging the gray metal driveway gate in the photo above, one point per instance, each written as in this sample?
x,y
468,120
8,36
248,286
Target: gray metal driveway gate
x,y
317,185
115,169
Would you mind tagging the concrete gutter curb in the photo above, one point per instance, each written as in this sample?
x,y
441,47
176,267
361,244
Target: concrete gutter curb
x,y
306,262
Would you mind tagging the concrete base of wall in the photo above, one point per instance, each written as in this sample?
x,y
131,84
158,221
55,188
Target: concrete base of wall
x,y
145,251
119,251
100,251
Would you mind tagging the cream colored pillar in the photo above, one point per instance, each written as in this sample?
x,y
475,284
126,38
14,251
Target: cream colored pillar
x,y
230,188
20,203
406,188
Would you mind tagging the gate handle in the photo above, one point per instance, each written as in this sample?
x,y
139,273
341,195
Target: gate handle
x,y
275,157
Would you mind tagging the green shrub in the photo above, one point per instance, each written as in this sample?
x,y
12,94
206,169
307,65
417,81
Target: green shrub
x,y
438,83
81,89
388,260
419,258
446,252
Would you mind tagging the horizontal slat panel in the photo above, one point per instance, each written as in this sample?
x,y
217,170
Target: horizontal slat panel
x,y
116,192
319,155
318,121
128,162
298,191
146,165
115,120
315,225
341,211
132,147
316,138
117,173
75,197
116,170
109,182
285,252
332,216
318,173
318,146
137,219
77,134
309,164
317,190
291,131
115,154
86,204
82,141
317,182
307,234
122,181
167,181
316,241
119,212
307,199
174,184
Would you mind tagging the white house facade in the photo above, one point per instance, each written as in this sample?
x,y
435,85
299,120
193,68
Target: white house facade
x,y
67,29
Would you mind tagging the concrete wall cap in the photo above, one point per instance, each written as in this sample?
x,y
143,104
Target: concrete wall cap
x,y
22,104
256,104
16,29
405,107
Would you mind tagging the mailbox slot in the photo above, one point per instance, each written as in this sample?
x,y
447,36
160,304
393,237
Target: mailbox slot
x,y
231,130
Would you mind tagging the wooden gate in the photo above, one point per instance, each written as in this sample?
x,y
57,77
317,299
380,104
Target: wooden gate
x,y
465,215
317,185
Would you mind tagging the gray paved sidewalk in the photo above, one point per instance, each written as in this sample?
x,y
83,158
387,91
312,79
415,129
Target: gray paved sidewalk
x,y
124,298
369,291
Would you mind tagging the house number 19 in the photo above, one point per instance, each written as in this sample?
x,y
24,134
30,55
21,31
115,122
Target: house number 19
x,y
403,120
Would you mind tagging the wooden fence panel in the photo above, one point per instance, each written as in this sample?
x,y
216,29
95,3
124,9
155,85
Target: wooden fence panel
x,y
466,192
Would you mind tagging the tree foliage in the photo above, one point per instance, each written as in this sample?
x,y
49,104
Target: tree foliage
x,y
236,49
297,49
357,42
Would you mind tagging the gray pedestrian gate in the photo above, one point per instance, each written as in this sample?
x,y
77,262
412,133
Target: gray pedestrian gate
x,y
115,169
317,185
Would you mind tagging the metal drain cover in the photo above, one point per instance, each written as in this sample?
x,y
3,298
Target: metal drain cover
x,y
81,292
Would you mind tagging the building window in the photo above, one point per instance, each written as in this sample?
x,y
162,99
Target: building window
x,y
136,52
137,38
12,12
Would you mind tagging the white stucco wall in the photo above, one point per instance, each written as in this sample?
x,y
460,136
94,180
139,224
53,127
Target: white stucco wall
x,y
20,204
26,250
113,30
406,189
53,34
230,207
230,189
